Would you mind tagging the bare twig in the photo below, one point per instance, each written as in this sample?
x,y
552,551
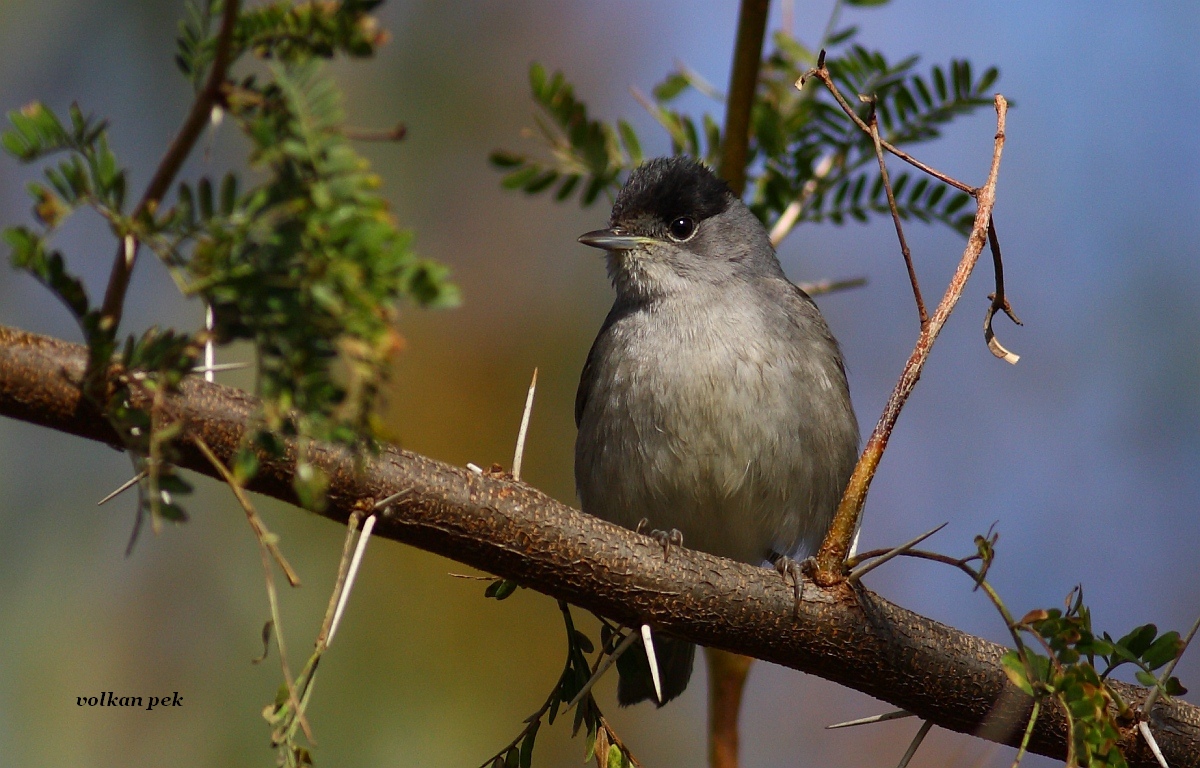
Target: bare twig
x,y
198,116
831,286
873,123
604,665
395,133
822,74
999,301
837,542
267,548
1033,716
264,536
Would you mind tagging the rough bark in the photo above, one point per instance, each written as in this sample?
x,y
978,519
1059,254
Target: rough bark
x,y
848,635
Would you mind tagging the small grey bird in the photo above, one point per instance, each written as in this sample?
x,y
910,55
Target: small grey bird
x,y
714,400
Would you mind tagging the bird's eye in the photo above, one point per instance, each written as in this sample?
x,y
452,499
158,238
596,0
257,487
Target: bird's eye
x,y
682,228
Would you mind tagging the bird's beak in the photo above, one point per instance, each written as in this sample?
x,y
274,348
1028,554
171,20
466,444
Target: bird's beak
x,y
614,240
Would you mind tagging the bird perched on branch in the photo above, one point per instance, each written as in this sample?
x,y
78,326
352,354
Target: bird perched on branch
x,y
714,400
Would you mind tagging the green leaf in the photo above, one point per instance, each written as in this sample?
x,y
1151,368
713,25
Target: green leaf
x,y
674,84
228,194
616,759
841,36
1014,668
502,159
541,182
520,178
500,589
630,141
537,79
1163,650
204,192
584,642
1139,639
526,759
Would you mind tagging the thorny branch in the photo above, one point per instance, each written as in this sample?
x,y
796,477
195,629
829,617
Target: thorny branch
x,y
832,554
854,638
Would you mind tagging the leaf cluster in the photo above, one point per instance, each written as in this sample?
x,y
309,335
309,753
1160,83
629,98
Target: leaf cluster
x,y
601,740
283,30
1076,670
805,151
307,264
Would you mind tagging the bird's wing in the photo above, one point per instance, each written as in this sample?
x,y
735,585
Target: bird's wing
x,y
588,376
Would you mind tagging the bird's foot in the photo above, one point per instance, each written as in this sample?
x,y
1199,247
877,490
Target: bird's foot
x,y
665,539
795,570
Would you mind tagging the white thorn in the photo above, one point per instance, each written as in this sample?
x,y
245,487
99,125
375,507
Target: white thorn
x,y
604,667
916,743
210,354
125,486
896,715
1144,727
653,659
866,568
350,574
207,370
130,250
519,453
395,497
474,468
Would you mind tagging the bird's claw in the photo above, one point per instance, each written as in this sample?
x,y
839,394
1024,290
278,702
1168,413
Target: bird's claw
x,y
665,539
795,570
668,539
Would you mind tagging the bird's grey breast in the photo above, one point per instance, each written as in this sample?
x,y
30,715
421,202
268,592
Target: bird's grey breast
x,y
703,412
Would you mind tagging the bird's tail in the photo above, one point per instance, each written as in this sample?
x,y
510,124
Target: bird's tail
x,y
675,658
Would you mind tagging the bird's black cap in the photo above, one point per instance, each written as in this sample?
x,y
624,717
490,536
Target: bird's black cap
x,y
667,187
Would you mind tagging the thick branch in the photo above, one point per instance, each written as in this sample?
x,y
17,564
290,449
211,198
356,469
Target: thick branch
x,y
849,636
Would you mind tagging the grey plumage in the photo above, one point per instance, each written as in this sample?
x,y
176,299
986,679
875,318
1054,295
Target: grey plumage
x,y
714,399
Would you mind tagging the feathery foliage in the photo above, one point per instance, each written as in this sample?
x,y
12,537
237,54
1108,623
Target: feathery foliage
x,y
804,150
307,265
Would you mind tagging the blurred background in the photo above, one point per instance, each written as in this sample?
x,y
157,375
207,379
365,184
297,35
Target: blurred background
x,y
1084,454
